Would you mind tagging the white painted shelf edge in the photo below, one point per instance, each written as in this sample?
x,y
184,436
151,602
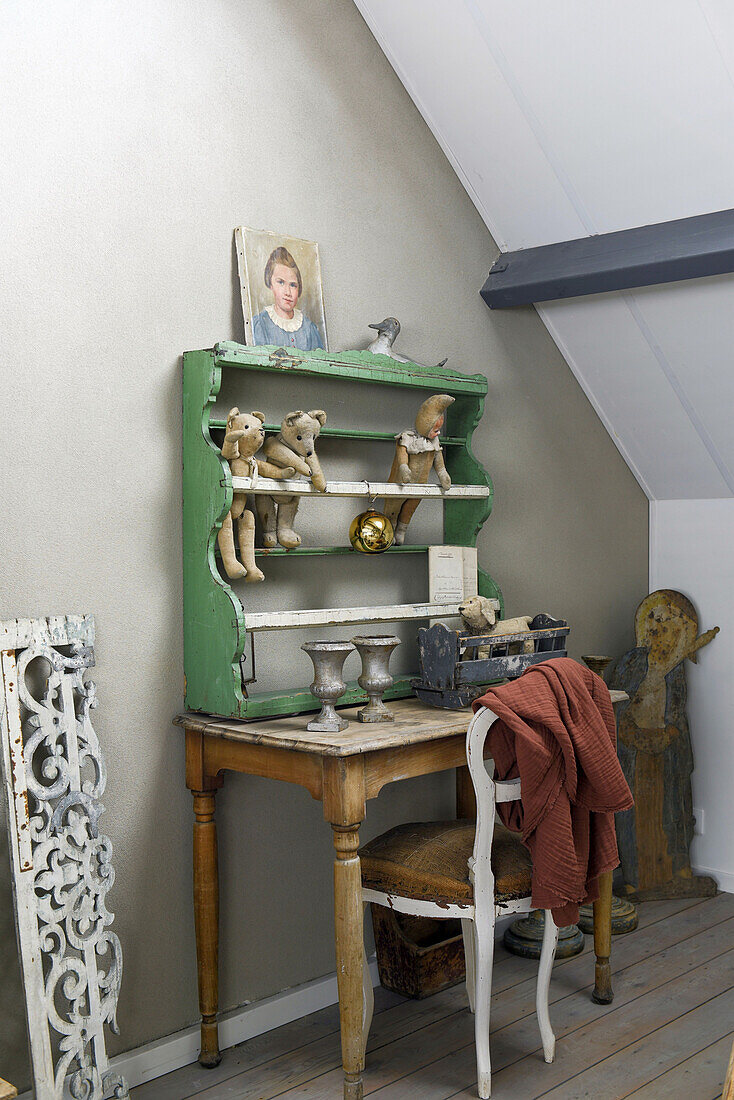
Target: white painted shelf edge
x,y
335,616
358,489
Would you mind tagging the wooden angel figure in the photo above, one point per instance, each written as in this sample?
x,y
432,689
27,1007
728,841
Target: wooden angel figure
x,y
655,750
417,452
244,436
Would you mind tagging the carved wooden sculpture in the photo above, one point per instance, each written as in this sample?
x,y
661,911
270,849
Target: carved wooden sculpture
x,y
655,750
243,439
417,451
54,777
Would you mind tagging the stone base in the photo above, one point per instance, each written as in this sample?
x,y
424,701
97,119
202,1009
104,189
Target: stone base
x,y
331,725
524,937
624,917
375,716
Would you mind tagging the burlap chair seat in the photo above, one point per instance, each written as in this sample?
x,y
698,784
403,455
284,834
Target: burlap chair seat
x,y
428,861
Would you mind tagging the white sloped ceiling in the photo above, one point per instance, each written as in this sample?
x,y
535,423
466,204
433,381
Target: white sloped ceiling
x,y
573,118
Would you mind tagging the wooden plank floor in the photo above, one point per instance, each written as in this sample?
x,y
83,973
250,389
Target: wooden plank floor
x,y
667,1036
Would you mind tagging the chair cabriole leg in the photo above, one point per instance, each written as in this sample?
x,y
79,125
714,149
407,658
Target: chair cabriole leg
x,y
368,996
467,931
483,960
547,955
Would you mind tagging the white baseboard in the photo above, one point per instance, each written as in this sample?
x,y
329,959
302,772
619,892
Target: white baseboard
x,y
182,1048
725,879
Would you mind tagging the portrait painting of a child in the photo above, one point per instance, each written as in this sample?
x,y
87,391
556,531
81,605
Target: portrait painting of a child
x,y
280,280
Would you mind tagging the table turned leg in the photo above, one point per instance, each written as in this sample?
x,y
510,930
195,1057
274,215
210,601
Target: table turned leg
x,y
348,920
206,919
466,799
603,993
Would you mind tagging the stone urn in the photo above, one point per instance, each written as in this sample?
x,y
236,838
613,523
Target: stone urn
x,y
328,685
375,651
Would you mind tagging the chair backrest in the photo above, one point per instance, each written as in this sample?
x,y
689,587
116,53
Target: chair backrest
x,y
489,793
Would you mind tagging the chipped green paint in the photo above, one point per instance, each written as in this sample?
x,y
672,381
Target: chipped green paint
x,y
214,630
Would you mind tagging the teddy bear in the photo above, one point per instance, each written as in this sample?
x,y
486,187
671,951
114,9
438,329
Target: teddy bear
x,y
243,437
480,617
293,449
417,452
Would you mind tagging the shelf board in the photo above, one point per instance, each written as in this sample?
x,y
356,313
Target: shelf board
x,y
339,616
270,704
320,551
346,433
361,489
356,366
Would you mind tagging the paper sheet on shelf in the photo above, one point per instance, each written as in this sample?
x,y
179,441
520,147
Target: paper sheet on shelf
x,y
452,577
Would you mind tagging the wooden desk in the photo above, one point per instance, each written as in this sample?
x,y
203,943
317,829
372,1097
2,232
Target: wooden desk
x,y
343,771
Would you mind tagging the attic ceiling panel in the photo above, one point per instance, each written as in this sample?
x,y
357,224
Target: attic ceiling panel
x,y
719,15
623,378
564,120
693,325
630,101
464,96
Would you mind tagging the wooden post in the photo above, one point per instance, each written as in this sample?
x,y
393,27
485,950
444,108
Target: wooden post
x,y
206,918
344,809
603,993
348,917
466,799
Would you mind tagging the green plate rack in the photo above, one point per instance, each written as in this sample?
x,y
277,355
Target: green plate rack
x,y
216,624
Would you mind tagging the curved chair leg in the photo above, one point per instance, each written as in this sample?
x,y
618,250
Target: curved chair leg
x,y
483,959
467,931
368,996
547,955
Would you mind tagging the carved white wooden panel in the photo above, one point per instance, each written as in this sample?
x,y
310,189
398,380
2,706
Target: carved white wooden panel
x,y
54,777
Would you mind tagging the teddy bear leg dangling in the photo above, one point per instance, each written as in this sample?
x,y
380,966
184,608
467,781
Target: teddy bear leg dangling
x,y
225,539
246,536
266,513
287,509
400,516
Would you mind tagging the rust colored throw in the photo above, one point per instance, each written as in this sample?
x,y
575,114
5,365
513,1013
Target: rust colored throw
x,y
556,730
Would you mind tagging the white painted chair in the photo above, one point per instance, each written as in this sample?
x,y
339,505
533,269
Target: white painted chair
x,y
423,869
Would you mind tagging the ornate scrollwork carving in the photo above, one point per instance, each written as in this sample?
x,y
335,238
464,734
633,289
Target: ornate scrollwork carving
x,y
62,894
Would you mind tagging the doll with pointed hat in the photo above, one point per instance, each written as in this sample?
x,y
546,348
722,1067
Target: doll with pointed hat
x,y
417,452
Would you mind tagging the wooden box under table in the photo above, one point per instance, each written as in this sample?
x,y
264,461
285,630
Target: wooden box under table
x,y
417,956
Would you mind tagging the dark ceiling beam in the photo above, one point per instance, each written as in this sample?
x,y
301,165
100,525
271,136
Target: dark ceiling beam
x,y
688,248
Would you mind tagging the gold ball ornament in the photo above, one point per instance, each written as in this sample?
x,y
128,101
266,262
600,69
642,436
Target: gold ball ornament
x,y
371,532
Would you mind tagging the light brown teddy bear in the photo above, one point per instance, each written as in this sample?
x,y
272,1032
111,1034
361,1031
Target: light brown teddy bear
x,y
480,617
243,438
294,448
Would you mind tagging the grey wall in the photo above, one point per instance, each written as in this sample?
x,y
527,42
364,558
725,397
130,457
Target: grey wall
x,y
138,136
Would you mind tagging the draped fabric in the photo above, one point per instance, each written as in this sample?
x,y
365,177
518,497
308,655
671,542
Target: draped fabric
x,y
557,732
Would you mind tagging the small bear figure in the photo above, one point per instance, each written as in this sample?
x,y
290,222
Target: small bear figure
x,y
293,449
243,438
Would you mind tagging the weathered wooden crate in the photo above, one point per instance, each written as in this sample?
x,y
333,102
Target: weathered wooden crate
x,y
417,956
452,673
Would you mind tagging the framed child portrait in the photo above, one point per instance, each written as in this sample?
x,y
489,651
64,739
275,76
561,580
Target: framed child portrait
x,y
280,283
